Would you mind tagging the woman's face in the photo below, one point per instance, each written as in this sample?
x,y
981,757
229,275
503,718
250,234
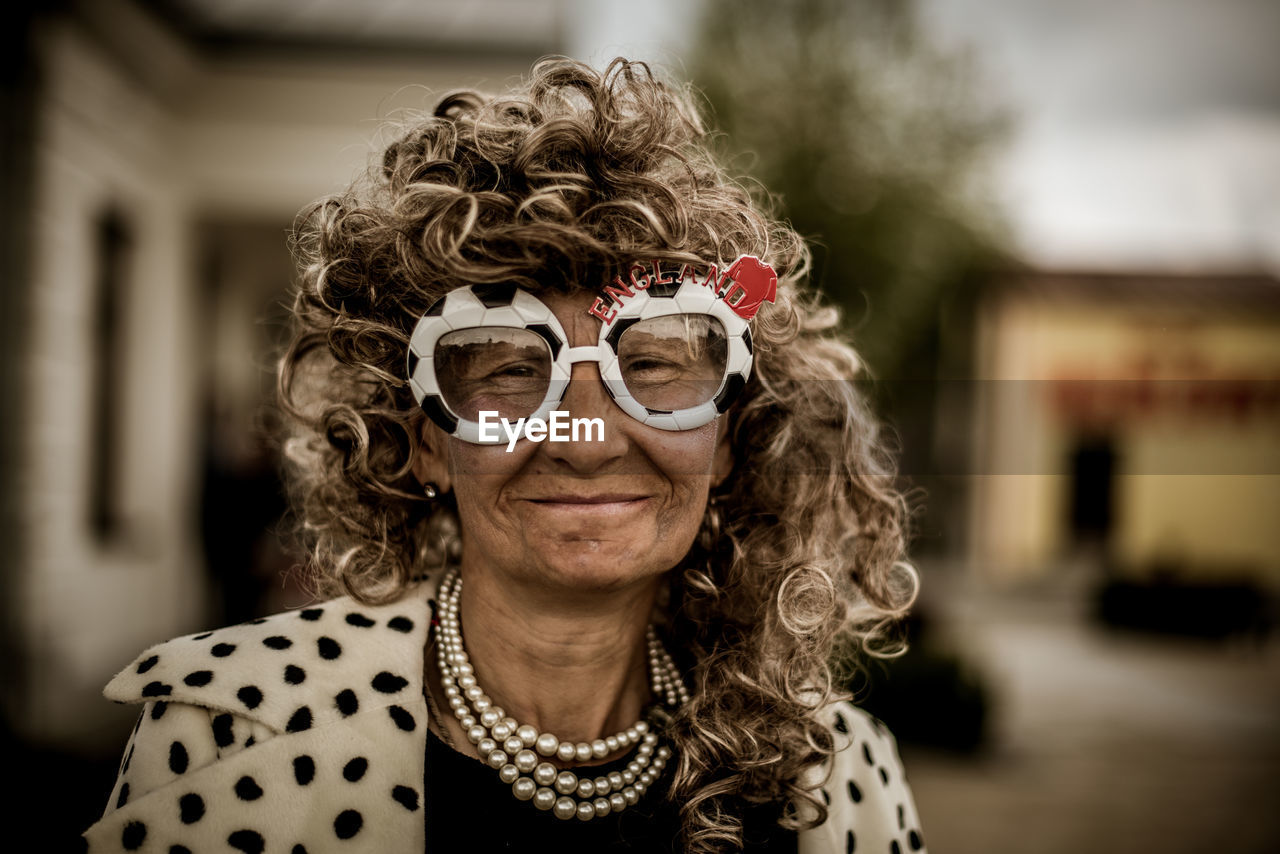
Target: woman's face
x,y
591,514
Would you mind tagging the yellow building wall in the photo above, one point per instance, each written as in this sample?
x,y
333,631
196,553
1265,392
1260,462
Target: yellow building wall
x,y
1197,485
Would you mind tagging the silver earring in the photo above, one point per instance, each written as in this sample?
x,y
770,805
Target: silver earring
x,y
430,490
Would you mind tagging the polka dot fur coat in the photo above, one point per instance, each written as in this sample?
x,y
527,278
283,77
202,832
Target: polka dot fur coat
x,y
306,732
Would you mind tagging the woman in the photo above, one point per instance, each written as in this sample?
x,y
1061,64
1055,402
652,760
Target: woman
x,y
583,458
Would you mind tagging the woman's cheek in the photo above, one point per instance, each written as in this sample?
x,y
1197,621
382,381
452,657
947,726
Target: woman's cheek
x,y
468,459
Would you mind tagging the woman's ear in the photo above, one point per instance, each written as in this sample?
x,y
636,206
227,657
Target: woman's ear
x,y
431,463
722,462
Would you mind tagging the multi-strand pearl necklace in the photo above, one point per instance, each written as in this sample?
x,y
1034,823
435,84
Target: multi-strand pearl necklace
x,y
515,751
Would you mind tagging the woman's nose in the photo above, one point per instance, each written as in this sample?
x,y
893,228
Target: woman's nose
x,y
588,403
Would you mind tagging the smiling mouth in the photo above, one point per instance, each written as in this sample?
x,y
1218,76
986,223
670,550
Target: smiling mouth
x,y
595,507
589,500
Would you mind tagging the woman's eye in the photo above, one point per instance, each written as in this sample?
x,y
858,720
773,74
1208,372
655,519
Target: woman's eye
x,y
674,356
514,370
649,363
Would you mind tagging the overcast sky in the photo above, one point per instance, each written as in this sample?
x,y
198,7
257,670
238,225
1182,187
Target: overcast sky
x,y
1148,130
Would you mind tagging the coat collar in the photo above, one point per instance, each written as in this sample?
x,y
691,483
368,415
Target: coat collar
x,y
293,667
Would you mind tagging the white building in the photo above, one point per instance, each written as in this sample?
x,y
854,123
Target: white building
x,y
157,165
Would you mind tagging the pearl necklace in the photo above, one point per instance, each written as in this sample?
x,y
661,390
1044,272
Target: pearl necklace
x,y
513,750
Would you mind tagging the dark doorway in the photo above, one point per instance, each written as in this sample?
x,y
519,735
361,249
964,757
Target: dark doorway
x,y
1092,468
245,272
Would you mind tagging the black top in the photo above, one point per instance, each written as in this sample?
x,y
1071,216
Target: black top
x,y
468,809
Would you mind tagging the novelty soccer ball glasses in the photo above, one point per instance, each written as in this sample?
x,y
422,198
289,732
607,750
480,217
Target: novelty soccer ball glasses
x,y
674,349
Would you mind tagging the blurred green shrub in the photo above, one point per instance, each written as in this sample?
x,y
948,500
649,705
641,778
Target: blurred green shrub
x,y
928,696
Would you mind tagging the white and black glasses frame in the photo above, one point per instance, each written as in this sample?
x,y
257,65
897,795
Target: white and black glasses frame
x,y
503,314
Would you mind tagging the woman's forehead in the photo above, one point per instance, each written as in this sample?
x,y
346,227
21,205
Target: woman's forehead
x,y
572,310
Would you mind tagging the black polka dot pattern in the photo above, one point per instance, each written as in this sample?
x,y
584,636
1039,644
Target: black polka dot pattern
x,y
299,721
406,797
304,769
347,702
223,731
329,648
248,841
190,808
347,824
250,695
247,789
330,699
388,683
355,769
178,758
319,683
876,813
404,720
134,834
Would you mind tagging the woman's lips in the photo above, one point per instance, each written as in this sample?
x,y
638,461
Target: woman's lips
x,y
591,505
604,498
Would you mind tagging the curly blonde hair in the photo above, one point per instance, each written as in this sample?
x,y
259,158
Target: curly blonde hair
x,y
559,185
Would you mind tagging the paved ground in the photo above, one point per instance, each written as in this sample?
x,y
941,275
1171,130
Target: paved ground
x,y
1104,742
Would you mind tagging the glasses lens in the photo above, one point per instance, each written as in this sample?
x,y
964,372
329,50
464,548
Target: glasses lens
x,y
494,369
673,362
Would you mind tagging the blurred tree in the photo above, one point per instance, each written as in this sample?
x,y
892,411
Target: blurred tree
x,y
875,141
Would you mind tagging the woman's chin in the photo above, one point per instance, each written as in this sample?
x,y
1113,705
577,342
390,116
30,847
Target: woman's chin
x,y
586,568
586,564
591,545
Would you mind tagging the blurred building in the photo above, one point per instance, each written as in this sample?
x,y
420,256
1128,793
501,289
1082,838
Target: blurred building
x,y
1125,417
156,156
1130,421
